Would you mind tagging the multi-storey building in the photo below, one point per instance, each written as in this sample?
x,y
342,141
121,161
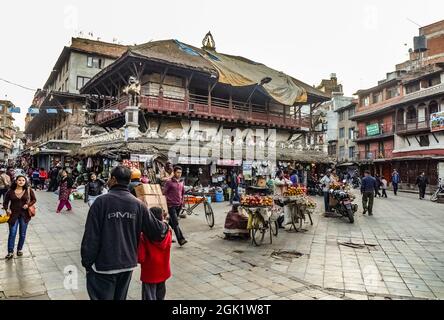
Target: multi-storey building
x,y
6,131
76,65
211,100
347,128
394,116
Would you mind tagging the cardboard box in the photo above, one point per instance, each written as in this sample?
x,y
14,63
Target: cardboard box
x,y
148,189
154,201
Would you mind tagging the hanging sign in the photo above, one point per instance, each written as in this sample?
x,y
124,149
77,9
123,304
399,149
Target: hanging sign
x,y
437,121
373,129
247,170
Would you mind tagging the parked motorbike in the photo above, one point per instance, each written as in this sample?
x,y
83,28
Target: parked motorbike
x,y
438,191
344,204
356,183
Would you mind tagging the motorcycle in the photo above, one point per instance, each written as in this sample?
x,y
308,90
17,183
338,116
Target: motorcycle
x,y
438,191
344,204
356,183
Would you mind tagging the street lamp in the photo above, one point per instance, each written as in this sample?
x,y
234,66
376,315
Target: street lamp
x,y
263,81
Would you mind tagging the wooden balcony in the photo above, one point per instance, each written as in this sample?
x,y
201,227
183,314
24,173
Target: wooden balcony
x,y
375,154
412,126
385,130
197,107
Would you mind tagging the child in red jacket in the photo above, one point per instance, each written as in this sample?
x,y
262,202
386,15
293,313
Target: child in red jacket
x,y
154,259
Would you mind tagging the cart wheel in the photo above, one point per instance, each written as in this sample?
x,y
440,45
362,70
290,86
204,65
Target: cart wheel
x,y
274,229
296,220
258,231
209,214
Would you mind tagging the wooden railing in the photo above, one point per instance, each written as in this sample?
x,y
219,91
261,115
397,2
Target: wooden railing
x,y
198,107
412,125
374,154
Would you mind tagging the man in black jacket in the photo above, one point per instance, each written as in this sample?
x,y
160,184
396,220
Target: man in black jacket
x,y
422,183
112,230
368,190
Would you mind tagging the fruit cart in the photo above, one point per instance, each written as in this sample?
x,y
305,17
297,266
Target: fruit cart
x,y
299,206
261,217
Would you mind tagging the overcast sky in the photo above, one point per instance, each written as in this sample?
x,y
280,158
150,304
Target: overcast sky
x,y
358,40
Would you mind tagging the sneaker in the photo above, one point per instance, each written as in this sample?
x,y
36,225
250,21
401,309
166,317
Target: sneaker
x,y
182,242
183,216
9,256
19,253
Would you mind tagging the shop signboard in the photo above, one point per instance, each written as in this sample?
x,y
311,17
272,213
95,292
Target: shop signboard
x,y
141,157
229,163
193,160
372,129
247,170
437,121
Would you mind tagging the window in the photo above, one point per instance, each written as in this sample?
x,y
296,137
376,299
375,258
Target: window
x,y
367,151
380,149
351,133
341,115
81,81
351,152
412,87
424,141
351,112
392,92
94,62
434,81
341,152
365,101
341,133
377,97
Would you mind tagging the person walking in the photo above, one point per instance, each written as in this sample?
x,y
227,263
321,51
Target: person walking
x,y
422,181
234,186
395,181
325,182
53,175
65,187
174,191
35,178
17,200
378,186
110,242
154,259
368,189
93,189
43,176
384,186
5,183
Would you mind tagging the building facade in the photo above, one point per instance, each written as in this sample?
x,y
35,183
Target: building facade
x,y
191,111
394,117
347,128
6,131
76,65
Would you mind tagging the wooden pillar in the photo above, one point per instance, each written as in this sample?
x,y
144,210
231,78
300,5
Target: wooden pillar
x,y
209,98
230,104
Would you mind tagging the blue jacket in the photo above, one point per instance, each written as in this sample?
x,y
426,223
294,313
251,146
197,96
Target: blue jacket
x,y
395,178
369,184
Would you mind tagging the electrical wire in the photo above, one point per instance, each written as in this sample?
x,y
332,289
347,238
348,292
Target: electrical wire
x,y
18,85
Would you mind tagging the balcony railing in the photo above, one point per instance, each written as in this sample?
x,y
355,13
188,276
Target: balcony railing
x,y
375,154
412,126
386,129
198,107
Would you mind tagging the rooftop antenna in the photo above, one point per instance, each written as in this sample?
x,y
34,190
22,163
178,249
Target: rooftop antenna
x,y
414,22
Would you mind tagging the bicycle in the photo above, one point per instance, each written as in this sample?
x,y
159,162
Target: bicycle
x,y
209,214
298,218
260,225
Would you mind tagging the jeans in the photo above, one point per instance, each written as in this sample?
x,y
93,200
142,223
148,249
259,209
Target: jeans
x,y
384,193
327,201
395,187
108,286
20,223
153,291
367,201
174,223
62,204
234,195
422,191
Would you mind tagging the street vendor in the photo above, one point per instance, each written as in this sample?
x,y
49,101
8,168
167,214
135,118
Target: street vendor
x,y
236,223
280,183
